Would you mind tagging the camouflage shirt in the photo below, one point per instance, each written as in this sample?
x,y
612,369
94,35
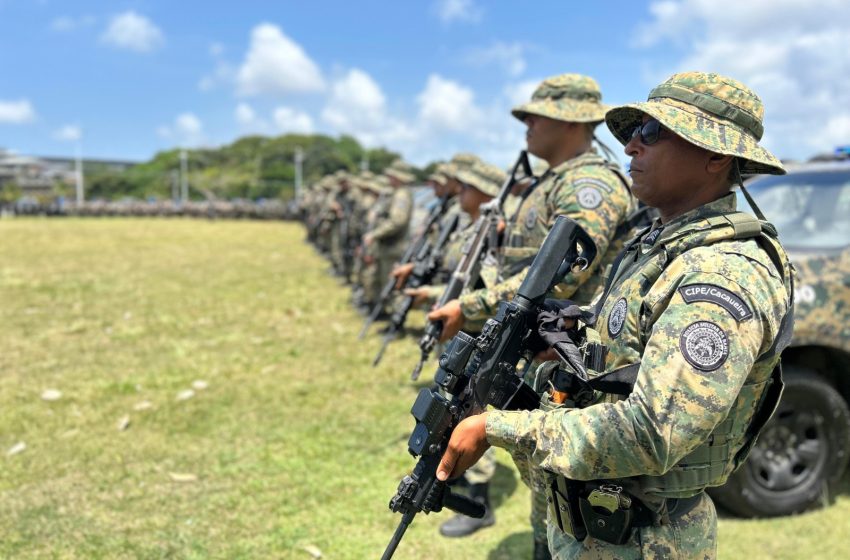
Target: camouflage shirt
x,y
698,332
584,189
394,227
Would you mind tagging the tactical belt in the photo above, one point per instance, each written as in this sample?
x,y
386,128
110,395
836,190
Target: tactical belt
x,y
606,512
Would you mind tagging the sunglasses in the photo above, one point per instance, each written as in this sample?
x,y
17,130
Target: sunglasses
x,y
648,132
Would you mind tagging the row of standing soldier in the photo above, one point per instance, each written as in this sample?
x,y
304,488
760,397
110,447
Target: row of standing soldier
x,y
504,239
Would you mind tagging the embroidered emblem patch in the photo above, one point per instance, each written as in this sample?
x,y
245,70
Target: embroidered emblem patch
x,y
704,345
617,318
531,219
589,197
652,236
729,301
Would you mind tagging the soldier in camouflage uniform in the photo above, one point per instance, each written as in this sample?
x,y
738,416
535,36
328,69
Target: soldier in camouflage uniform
x,y
580,184
369,270
696,314
445,184
386,239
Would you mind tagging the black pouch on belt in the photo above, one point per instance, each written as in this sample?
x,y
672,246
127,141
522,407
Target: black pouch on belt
x,y
564,507
607,513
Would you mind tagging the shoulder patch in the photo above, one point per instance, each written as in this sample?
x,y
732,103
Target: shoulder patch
x,y
582,181
617,318
704,345
589,197
726,299
531,218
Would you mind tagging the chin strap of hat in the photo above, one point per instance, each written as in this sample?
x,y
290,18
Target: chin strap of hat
x,y
607,153
740,182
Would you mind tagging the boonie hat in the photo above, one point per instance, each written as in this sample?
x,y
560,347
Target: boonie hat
x,y
714,112
568,97
460,162
485,177
400,171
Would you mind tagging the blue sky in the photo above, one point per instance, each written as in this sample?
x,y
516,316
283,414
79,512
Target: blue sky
x,y
427,78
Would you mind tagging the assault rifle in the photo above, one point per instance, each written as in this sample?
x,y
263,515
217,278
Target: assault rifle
x,y
412,250
484,239
425,266
478,372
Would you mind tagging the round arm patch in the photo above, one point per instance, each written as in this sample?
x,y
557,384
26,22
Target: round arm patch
x,y
704,345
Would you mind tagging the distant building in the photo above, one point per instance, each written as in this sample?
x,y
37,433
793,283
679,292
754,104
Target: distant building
x,y
36,175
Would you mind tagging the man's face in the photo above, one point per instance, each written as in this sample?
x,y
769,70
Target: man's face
x,y
440,189
665,172
471,199
544,135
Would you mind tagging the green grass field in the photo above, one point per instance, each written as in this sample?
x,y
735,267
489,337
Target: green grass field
x,y
295,442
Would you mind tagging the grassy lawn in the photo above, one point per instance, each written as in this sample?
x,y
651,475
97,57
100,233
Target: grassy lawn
x,y
289,439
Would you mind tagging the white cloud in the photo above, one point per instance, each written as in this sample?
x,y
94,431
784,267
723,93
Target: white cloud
x,y
357,106
216,49
509,56
64,24
275,64
245,114
133,32
187,130
447,105
791,52
16,112
222,75
290,120
249,121
68,133
450,11
520,92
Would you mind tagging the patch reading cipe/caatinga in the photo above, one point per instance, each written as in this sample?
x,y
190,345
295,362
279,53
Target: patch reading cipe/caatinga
x,y
729,301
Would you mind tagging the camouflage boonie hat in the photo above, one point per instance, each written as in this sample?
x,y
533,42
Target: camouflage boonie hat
x,y
363,179
568,97
460,162
401,171
381,185
485,177
440,174
711,111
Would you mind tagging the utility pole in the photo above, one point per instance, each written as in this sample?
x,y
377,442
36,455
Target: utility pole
x,y
364,162
79,173
175,184
184,176
299,160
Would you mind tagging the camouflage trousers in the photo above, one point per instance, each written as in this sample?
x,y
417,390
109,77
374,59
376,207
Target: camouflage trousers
x,y
374,275
694,535
538,481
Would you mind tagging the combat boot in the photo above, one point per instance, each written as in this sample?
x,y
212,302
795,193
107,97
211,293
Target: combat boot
x,y
461,525
541,551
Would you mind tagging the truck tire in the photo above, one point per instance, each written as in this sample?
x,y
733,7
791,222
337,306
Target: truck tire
x,y
800,455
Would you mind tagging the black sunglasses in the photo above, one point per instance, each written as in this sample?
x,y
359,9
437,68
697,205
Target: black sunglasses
x,y
648,132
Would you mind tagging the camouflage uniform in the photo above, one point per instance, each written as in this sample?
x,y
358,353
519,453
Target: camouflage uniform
x,y
586,189
699,308
391,236
370,278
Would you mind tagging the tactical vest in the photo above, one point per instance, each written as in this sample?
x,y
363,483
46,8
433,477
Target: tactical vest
x,y
711,463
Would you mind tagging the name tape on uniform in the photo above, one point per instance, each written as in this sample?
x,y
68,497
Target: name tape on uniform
x,y
721,296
